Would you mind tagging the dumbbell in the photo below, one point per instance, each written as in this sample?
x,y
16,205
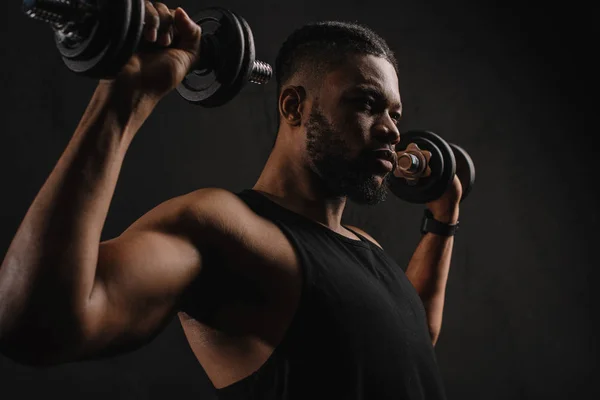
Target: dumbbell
x,y
427,165
96,38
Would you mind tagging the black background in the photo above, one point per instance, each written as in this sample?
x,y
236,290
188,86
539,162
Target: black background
x,y
511,82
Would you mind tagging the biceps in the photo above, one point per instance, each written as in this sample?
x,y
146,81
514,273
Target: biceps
x,y
139,277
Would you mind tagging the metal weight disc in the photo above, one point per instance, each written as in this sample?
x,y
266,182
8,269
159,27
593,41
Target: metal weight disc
x,y
95,57
442,164
226,93
224,30
465,169
92,43
131,41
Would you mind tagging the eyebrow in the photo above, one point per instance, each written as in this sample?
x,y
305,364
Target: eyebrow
x,y
374,92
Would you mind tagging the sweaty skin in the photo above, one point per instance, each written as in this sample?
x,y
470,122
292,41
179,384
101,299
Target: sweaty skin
x,y
65,296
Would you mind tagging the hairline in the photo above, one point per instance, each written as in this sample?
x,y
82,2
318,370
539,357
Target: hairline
x,y
329,67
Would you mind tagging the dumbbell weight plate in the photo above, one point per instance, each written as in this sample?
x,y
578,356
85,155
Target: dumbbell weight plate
x,y
93,57
465,169
92,44
210,80
442,164
131,41
226,93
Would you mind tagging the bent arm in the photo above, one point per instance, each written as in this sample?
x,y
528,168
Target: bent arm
x,y
48,274
428,271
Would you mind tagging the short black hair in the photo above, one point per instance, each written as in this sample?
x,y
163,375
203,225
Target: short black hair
x,y
319,46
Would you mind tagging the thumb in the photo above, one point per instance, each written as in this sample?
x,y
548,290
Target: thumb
x,y
189,32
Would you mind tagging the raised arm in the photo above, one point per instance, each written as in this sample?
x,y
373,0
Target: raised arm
x,y
63,294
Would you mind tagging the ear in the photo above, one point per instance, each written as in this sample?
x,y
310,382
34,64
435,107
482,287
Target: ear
x,y
291,104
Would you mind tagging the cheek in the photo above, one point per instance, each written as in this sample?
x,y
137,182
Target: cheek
x,y
356,126
355,131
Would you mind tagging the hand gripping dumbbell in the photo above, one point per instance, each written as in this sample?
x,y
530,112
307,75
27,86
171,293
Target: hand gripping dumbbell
x,y
96,38
427,165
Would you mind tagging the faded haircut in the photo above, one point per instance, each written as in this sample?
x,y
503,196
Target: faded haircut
x,y
319,47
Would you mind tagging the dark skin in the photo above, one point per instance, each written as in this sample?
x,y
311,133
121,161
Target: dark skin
x,y
358,122
360,103
66,296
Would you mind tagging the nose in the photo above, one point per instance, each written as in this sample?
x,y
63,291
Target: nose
x,y
386,131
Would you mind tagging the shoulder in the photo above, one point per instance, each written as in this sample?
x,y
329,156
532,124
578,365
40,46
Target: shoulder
x,y
219,209
244,237
205,216
199,207
211,204
365,234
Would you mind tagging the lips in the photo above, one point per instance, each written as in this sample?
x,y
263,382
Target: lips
x,y
386,158
386,154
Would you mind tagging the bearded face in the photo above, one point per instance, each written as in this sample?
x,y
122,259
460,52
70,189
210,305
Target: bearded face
x,y
344,170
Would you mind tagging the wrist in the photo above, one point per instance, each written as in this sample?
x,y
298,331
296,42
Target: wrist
x,y
130,108
447,225
127,97
446,216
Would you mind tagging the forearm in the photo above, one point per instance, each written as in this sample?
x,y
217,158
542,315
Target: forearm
x,y
428,271
48,272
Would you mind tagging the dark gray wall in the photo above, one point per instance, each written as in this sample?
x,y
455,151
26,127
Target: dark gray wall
x,y
507,81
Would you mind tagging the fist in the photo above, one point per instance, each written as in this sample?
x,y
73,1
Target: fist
x,y
159,24
445,209
170,46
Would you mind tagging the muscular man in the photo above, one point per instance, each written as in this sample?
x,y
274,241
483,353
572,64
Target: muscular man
x,y
277,298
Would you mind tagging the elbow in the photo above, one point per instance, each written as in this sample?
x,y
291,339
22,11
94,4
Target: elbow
x,y
34,355
40,348
19,353
36,331
27,358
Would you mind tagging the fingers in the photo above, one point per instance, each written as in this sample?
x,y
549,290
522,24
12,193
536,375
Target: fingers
x,y
165,31
151,23
158,23
189,32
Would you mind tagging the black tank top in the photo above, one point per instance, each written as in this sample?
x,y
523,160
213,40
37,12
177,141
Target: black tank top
x,y
360,331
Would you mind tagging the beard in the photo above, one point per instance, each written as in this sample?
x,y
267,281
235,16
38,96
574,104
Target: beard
x,y
329,157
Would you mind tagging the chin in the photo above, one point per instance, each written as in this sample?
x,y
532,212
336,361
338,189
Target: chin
x,y
371,191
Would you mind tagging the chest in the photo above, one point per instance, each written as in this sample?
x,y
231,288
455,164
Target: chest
x,y
362,287
325,297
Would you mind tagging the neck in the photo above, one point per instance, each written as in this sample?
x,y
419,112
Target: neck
x,y
288,181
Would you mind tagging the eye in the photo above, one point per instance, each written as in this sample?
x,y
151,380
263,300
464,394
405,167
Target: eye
x,y
366,102
396,117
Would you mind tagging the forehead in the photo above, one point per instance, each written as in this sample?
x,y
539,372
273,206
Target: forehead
x,y
364,70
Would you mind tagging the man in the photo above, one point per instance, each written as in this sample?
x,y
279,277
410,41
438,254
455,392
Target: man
x,y
277,298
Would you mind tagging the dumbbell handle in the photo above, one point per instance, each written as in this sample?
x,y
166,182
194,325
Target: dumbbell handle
x,y
413,163
409,163
63,13
260,72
